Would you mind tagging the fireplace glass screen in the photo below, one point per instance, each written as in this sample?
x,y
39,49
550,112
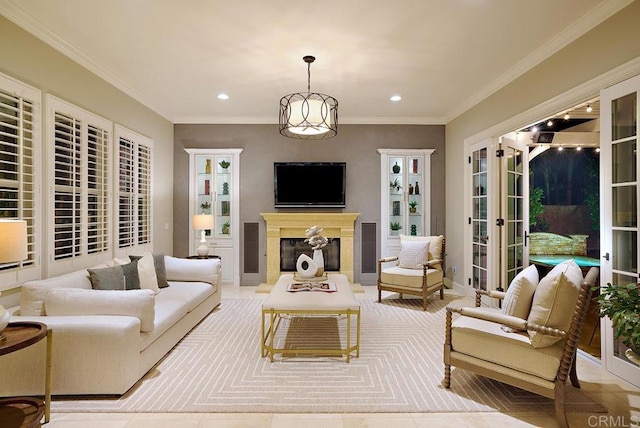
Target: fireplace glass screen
x,y
292,248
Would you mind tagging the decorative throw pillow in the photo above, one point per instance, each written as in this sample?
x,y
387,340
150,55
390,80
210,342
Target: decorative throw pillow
x,y
413,253
110,278
130,272
517,301
435,247
159,265
554,302
147,272
161,270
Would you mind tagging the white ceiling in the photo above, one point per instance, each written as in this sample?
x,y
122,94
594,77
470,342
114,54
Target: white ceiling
x,y
441,56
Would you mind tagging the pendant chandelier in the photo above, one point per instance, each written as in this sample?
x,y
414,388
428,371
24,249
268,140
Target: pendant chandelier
x,y
308,115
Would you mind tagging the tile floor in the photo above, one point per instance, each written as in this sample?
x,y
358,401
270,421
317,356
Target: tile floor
x,y
621,399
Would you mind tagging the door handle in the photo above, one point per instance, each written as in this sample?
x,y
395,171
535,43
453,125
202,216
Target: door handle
x,y
606,256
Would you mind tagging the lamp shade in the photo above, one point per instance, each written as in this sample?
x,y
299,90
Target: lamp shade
x,y
308,115
13,241
202,222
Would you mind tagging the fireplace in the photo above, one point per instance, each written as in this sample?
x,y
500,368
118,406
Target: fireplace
x,y
292,248
293,225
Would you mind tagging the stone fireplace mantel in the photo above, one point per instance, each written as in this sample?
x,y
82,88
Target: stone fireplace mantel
x,y
294,225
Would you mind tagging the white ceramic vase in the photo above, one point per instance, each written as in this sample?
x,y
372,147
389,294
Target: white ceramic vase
x,y
318,258
310,271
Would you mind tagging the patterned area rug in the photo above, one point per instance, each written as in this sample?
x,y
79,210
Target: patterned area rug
x,y
217,367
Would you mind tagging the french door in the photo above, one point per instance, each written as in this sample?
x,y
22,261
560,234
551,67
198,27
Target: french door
x,y
619,166
514,207
499,207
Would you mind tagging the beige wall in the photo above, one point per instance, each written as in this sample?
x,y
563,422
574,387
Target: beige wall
x,y
26,58
609,45
263,145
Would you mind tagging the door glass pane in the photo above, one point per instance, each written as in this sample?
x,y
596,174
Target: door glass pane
x,y
479,185
619,278
623,162
480,231
624,206
623,117
625,244
479,221
479,161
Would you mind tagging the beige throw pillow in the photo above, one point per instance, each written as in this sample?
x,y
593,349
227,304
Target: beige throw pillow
x,y
435,247
413,254
517,301
554,302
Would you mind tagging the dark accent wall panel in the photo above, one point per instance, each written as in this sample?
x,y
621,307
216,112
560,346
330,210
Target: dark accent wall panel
x,y
251,247
368,248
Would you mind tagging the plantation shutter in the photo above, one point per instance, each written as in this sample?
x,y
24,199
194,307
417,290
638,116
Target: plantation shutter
x,y
144,194
67,193
134,189
126,213
81,150
17,161
98,190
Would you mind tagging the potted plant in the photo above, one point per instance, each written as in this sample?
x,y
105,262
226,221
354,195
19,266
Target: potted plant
x,y
413,207
225,228
621,303
395,184
205,207
224,164
395,226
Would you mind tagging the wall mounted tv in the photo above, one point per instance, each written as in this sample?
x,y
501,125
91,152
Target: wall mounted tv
x,y
309,184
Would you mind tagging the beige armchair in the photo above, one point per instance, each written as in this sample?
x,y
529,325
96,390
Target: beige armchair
x,y
536,352
419,269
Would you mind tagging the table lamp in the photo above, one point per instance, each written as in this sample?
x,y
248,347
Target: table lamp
x,y
203,222
13,248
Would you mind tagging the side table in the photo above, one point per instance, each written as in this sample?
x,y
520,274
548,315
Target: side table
x,y
25,411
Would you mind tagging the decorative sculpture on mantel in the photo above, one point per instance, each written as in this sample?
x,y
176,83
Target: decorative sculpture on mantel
x,y
315,265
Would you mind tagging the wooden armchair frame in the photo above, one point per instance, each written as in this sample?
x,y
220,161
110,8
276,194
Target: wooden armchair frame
x,y
566,368
425,290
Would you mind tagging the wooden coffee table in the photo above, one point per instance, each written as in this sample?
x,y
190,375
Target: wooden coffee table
x,y
280,303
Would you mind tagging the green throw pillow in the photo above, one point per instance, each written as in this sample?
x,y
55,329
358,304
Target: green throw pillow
x,y
111,278
131,278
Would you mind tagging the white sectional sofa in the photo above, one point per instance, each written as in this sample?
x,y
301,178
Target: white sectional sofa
x,y
118,336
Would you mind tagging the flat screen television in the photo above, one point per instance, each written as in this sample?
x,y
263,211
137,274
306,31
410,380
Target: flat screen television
x,y
309,184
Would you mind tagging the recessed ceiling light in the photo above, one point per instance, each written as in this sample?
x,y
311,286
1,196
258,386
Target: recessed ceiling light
x,y
560,148
223,96
589,109
395,98
578,148
550,123
566,116
534,129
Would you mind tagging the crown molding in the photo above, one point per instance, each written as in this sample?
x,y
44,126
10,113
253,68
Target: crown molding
x,y
593,18
18,16
572,97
